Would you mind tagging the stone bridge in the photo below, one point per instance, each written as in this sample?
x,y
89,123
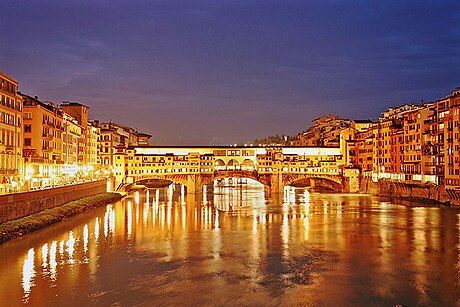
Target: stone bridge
x,y
272,182
274,167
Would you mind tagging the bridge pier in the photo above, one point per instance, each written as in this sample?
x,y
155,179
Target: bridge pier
x,y
194,184
276,183
351,180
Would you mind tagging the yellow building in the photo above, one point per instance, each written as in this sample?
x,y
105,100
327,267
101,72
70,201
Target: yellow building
x,y
92,146
43,128
11,162
71,136
112,136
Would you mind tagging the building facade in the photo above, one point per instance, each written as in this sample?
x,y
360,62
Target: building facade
x,y
11,161
43,143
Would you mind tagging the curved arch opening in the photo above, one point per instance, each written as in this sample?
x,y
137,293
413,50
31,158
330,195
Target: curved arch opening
x,y
155,183
219,164
248,165
233,165
318,184
301,183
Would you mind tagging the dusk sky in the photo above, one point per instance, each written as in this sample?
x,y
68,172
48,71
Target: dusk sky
x,y
224,72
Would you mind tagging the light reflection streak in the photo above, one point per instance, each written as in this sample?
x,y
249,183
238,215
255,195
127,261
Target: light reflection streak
x,y
28,274
306,220
184,216
61,249
106,223
129,219
136,197
418,256
285,235
205,195
112,220
137,215
168,214
146,213
96,230
216,220
45,256
53,263
85,238
70,244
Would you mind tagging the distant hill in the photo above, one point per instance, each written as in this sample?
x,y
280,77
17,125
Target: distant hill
x,y
274,140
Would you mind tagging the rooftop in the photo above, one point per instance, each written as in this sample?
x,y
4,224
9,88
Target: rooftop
x,y
72,104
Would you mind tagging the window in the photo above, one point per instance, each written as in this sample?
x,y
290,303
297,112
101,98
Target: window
x,y
27,142
27,128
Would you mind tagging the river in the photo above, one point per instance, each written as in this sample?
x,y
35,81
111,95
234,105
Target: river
x,y
233,245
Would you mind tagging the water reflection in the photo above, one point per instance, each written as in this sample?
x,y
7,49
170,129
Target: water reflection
x,y
28,274
235,244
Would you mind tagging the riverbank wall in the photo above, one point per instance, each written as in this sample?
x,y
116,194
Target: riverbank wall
x,y
15,206
420,192
19,227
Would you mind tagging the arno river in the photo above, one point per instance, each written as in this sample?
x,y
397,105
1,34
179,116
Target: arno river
x,y
235,246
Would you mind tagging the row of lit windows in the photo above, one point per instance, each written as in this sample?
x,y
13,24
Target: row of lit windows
x,y
8,86
10,103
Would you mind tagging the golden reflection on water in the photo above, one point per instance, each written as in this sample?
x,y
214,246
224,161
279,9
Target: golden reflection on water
x,y
163,220
28,274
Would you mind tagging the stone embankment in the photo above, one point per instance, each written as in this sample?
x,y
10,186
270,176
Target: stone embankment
x,y
19,227
15,206
418,192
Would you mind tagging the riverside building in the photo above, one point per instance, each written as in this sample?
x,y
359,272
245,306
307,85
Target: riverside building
x,y
43,148
11,161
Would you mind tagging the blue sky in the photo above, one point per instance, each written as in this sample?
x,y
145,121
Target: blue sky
x,y
224,72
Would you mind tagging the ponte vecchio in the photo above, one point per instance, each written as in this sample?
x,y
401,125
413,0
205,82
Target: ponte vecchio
x,y
274,167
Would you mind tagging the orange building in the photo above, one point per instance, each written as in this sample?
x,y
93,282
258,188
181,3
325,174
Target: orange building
x,y
43,150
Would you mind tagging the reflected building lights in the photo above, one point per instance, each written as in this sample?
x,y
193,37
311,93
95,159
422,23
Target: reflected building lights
x,y
112,220
154,213
184,216
53,263
168,214
61,250
306,220
70,247
146,213
205,195
285,235
106,223
216,220
129,219
254,222
28,274
157,198
136,197
96,230
45,256
85,238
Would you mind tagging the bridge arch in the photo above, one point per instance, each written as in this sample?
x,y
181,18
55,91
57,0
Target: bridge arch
x,y
330,182
248,165
263,179
233,164
219,164
181,179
